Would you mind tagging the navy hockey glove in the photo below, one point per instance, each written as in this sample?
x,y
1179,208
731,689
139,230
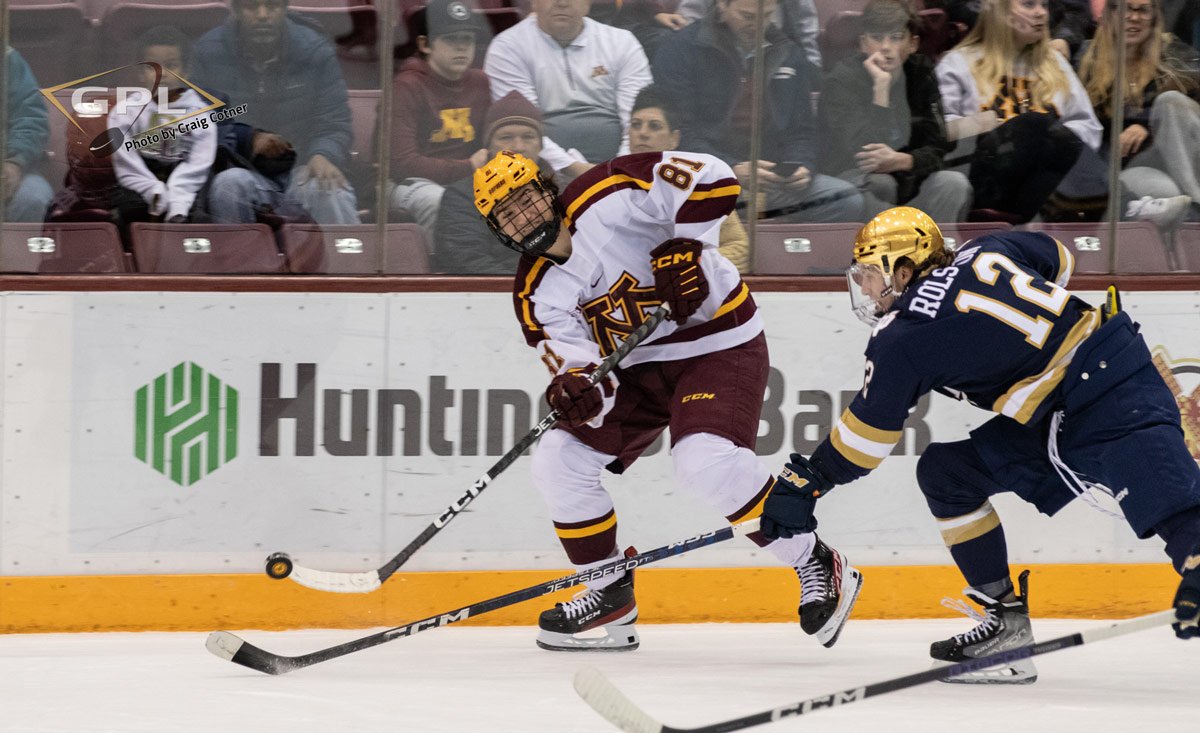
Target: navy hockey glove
x,y
789,507
575,398
1187,603
678,279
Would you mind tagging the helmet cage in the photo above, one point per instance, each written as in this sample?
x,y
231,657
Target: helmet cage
x,y
869,309
533,238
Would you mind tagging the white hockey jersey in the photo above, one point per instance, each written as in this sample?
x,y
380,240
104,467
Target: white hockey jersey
x,y
578,312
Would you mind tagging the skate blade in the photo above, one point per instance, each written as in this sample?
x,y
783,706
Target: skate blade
x,y
617,638
852,580
1021,672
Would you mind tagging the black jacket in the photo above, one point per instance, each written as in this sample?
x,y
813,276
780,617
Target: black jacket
x,y
849,120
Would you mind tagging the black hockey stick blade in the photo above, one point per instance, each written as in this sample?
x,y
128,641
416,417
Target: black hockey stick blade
x,y
235,649
614,706
368,580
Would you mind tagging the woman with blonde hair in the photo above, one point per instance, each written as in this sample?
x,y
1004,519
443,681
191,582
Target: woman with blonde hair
x,y
1005,71
1162,117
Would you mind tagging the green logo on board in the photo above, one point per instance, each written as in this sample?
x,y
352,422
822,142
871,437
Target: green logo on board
x,y
186,424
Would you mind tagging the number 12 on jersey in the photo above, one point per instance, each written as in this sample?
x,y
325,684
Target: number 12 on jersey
x,y
988,267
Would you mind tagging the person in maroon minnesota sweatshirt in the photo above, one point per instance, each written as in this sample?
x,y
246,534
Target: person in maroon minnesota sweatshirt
x,y
438,106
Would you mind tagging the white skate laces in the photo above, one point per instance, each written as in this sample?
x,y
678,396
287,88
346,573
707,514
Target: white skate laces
x,y
989,621
813,581
584,602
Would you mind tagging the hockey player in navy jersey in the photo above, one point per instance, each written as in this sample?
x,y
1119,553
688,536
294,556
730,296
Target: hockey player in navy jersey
x,y
623,238
1081,409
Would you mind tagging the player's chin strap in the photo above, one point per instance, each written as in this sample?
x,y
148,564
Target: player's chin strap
x,y
1089,491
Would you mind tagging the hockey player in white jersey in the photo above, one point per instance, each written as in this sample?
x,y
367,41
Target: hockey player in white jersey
x,y
623,238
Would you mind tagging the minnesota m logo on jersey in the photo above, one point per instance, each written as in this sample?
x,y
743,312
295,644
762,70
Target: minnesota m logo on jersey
x,y
456,125
619,311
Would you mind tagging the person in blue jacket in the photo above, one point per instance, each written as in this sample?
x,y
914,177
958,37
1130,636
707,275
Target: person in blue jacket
x,y
292,142
26,193
1082,411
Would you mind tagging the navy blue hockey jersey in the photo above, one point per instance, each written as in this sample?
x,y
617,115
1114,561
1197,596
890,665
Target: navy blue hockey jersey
x,y
995,327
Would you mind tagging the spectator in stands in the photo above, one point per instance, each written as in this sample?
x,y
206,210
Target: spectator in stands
x,y
583,76
1006,68
654,128
438,105
26,193
291,144
881,118
1161,159
705,69
462,242
1071,21
648,20
159,180
796,18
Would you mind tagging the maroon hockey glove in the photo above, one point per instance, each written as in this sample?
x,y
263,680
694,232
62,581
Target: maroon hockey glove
x,y
575,399
678,280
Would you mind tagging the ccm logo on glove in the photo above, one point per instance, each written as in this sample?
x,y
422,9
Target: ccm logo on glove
x,y
678,279
573,396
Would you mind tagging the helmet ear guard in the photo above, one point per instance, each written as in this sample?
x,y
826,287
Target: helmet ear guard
x,y
503,177
900,235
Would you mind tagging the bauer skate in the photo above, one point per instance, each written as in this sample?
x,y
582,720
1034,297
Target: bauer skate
x,y
612,609
1002,626
828,589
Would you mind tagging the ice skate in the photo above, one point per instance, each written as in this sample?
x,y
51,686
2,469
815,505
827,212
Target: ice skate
x,y
828,589
612,609
1002,626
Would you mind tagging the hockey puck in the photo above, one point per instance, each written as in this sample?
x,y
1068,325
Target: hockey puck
x,y
279,566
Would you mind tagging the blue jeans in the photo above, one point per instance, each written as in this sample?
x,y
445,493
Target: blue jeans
x,y
30,200
237,194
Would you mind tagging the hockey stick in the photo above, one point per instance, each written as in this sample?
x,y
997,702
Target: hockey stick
x,y
604,697
280,565
230,647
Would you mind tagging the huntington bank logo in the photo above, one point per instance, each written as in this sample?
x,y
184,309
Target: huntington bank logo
x,y
129,104
1183,379
186,424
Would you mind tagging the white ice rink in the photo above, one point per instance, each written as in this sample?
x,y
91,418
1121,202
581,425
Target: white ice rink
x,y
481,679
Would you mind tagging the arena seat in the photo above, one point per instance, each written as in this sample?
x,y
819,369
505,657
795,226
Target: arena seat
x,y
803,249
360,70
827,9
54,38
88,248
356,249
839,37
200,249
1187,247
124,21
959,233
1139,249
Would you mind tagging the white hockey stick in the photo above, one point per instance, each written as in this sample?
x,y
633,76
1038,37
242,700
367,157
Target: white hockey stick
x,y
616,708
280,565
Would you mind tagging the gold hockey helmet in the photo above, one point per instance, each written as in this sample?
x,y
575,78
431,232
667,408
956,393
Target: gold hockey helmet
x,y
898,232
895,234
503,176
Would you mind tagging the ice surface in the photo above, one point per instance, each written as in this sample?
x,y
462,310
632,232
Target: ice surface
x,y
494,679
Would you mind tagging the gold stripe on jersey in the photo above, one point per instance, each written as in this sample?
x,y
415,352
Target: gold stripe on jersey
x,y
1023,398
737,300
964,528
1066,264
606,522
535,273
861,444
597,188
715,193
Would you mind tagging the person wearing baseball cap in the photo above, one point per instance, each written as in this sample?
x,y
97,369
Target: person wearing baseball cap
x,y
438,107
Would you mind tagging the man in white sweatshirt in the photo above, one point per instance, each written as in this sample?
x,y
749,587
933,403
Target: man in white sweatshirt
x,y
168,152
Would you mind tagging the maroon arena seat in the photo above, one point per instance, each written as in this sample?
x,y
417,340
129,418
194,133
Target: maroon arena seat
x,y
90,248
360,69
1139,249
54,38
827,9
1187,247
958,234
356,249
123,22
803,249
200,249
839,37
